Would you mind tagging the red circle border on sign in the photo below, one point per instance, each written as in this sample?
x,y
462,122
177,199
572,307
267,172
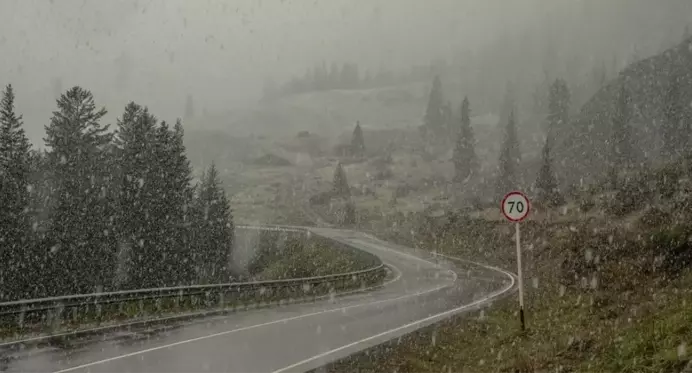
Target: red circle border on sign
x,y
528,207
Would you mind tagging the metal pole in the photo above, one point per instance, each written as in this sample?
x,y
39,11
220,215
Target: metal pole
x,y
521,278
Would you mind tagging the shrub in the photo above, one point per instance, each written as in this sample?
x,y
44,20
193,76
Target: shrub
x,y
672,249
632,195
586,204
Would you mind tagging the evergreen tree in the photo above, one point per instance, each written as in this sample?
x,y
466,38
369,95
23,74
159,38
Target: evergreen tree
x,y
174,185
508,106
139,196
213,230
81,244
464,156
433,119
621,154
510,158
546,184
348,217
558,106
340,186
357,142
448,119
15,163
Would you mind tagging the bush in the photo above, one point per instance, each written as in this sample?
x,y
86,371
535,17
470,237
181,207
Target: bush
x,y
586,204
672,249
632,195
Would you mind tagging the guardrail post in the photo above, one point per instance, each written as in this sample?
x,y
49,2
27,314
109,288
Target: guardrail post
x,y
178,299
51,312
55,317
158,304
22,315
99,310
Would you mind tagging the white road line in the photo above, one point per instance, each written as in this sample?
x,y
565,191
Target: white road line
x,y
380,247
403,327
415,323
71,369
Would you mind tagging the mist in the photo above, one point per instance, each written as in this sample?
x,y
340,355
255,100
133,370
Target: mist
x,y
159,51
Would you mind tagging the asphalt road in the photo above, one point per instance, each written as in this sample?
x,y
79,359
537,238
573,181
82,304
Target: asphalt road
x,y
296,337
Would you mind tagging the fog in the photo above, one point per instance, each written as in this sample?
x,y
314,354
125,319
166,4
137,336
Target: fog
x,y
157,52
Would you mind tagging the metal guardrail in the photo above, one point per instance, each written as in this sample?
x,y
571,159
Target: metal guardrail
x,y
34,315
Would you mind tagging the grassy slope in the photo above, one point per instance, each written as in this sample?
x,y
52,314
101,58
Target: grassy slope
x,y
645,332
615,316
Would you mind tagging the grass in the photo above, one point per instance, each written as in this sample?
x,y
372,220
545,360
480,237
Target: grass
x,y
567,332
630,318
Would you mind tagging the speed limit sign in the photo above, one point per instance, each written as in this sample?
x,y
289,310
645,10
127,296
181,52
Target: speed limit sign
x,y
515,206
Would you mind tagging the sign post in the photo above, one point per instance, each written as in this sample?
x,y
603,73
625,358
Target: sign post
x,y
515,207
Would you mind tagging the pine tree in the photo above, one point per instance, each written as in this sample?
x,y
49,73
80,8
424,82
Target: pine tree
x,y
546,183
621,154
558,106
510,158
448,119
508,106
174,186
434,120
464,156
349,214
82,247
340,186
15,162
139,197
357,142
213,230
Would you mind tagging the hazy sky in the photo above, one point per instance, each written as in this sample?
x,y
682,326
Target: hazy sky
x,y
219,51
156,52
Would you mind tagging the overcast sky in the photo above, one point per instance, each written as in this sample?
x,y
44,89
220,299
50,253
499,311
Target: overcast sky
x,y
157,51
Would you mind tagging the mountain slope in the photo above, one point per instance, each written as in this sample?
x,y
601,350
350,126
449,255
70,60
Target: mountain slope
x,y
584,143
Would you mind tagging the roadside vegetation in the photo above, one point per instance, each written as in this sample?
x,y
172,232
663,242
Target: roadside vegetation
x,y
607,253
284,256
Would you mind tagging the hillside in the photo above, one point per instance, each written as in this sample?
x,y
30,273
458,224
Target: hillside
x,y
584,142
329,112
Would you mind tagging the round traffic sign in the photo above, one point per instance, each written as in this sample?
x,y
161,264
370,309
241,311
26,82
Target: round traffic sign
x,y
515,206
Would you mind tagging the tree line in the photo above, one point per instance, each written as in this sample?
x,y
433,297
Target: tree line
x,y
442,121
342,76
101,210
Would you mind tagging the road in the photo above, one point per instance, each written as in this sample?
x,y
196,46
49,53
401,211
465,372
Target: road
x,y
291,338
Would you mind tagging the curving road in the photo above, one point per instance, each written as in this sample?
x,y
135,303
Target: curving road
x,y
421,290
